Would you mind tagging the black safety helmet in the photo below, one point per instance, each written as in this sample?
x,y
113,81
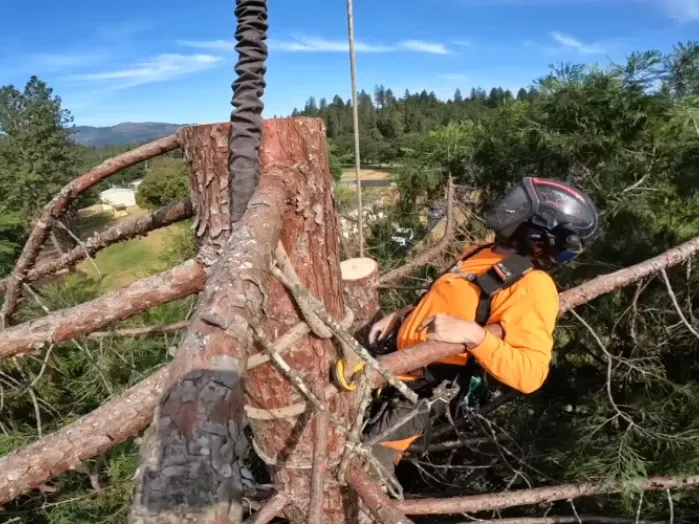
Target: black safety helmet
x,y
549,214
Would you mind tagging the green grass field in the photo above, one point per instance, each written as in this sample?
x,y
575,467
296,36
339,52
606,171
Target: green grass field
x,y
126,262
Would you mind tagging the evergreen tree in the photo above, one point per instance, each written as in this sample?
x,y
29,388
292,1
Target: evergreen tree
x,y
458,97
37,155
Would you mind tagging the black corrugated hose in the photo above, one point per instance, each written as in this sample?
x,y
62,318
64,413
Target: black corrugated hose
x,y
246,118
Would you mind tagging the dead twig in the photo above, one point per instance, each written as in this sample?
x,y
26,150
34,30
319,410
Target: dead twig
x,y
427,256
676,304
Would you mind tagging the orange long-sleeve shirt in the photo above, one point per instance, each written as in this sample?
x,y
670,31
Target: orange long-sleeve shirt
x,y
526,311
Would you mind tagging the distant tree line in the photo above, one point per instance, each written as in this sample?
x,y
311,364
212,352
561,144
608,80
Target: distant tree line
x,y
390,126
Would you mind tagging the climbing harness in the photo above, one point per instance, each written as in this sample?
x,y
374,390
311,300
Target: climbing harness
x,y
246,118
444,394
470,380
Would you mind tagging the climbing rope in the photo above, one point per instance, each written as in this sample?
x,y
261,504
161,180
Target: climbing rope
x,y
318,321
246,118
355,119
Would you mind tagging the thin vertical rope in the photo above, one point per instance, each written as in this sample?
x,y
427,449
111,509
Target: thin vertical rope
x,y
355,116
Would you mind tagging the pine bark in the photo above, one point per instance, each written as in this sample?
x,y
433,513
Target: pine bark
x,y
191,468
310,237
206,152
181,281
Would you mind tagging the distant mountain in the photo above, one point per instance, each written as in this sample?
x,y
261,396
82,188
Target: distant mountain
x,y
120,134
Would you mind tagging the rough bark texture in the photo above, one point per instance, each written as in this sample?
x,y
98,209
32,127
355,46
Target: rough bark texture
x,y
509,499
206,150
607,283
360,280
270,510
191,469
59,205
126,230
179,282
310,238
374,499
114,422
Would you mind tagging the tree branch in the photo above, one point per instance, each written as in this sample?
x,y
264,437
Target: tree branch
x,y
508,499
612,281
114,422
427,256
54,209
572,519
179,282
269,510
320,454
140,332
376,501
128,229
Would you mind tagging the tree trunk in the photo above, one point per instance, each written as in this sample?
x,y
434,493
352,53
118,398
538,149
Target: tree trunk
x,y
192,468
206,151
310,238
360,280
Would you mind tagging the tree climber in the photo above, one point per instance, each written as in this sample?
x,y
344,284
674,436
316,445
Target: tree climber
x,y
497,300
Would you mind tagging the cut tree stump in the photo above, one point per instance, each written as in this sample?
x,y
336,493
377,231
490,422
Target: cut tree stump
x,y
360,280
191,469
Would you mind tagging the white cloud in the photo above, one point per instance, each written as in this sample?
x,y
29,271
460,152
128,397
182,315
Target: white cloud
x,y
682,9
424,47
577,45
300,44
158,68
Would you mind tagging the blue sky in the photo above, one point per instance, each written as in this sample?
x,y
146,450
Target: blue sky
x,y
173,61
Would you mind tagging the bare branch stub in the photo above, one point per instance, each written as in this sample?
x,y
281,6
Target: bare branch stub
x,y
54,209
179,282
126,230
310,238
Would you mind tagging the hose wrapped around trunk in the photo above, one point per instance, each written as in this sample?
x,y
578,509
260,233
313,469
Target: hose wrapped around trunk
x,y
248,88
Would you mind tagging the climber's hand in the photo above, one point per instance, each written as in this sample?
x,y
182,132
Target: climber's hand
x,y
384,327
452,330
